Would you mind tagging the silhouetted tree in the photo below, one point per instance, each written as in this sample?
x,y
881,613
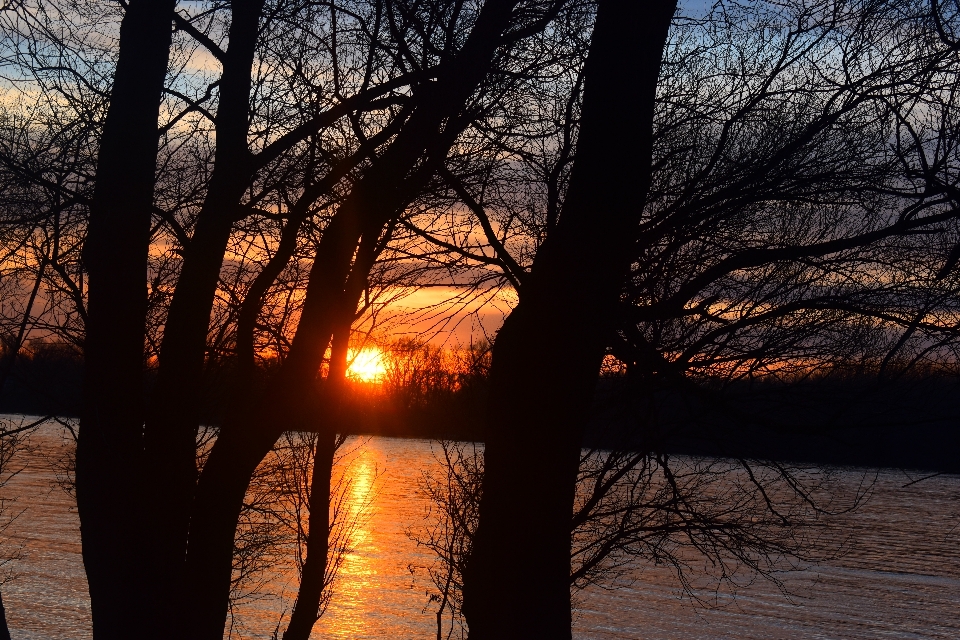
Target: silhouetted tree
x,y
753,146
288,134
759,200
454,499
522,588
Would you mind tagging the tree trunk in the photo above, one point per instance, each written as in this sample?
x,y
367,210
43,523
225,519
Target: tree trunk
x,y
254,425
249,431
4,629
307,608
547,355
312,579
216,510
171,427
109,451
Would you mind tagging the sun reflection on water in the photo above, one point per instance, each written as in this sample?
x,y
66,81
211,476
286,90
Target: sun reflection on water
x,y
352,602
380,589
376,594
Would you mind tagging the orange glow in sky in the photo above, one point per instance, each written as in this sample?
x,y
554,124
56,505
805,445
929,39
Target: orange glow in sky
x,y
366,365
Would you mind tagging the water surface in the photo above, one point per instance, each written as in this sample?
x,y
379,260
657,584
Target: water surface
x,y
900,578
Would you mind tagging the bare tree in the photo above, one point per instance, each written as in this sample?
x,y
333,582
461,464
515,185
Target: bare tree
x,y
546,411
454,499
290,138
287,510
14,440
719,523
795,166
307,156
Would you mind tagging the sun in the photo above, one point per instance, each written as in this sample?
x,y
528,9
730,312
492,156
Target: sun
x,y
366,365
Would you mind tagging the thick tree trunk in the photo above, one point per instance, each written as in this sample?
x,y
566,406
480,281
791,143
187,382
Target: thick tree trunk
x,y
109,451
547,356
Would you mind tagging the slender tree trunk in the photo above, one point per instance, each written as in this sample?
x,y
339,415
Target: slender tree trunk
x,y
307,608
312,579
109,451
172,423
290,402
547,356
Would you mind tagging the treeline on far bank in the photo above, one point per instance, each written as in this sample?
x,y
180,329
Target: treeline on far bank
x,y
849,417
425,391
43,378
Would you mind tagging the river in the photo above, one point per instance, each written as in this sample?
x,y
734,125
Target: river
x,y
898,577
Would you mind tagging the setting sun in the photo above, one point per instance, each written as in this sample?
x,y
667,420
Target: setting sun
x,y
366,364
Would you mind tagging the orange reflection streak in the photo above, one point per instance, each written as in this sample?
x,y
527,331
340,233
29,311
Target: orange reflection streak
x,y
352,602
